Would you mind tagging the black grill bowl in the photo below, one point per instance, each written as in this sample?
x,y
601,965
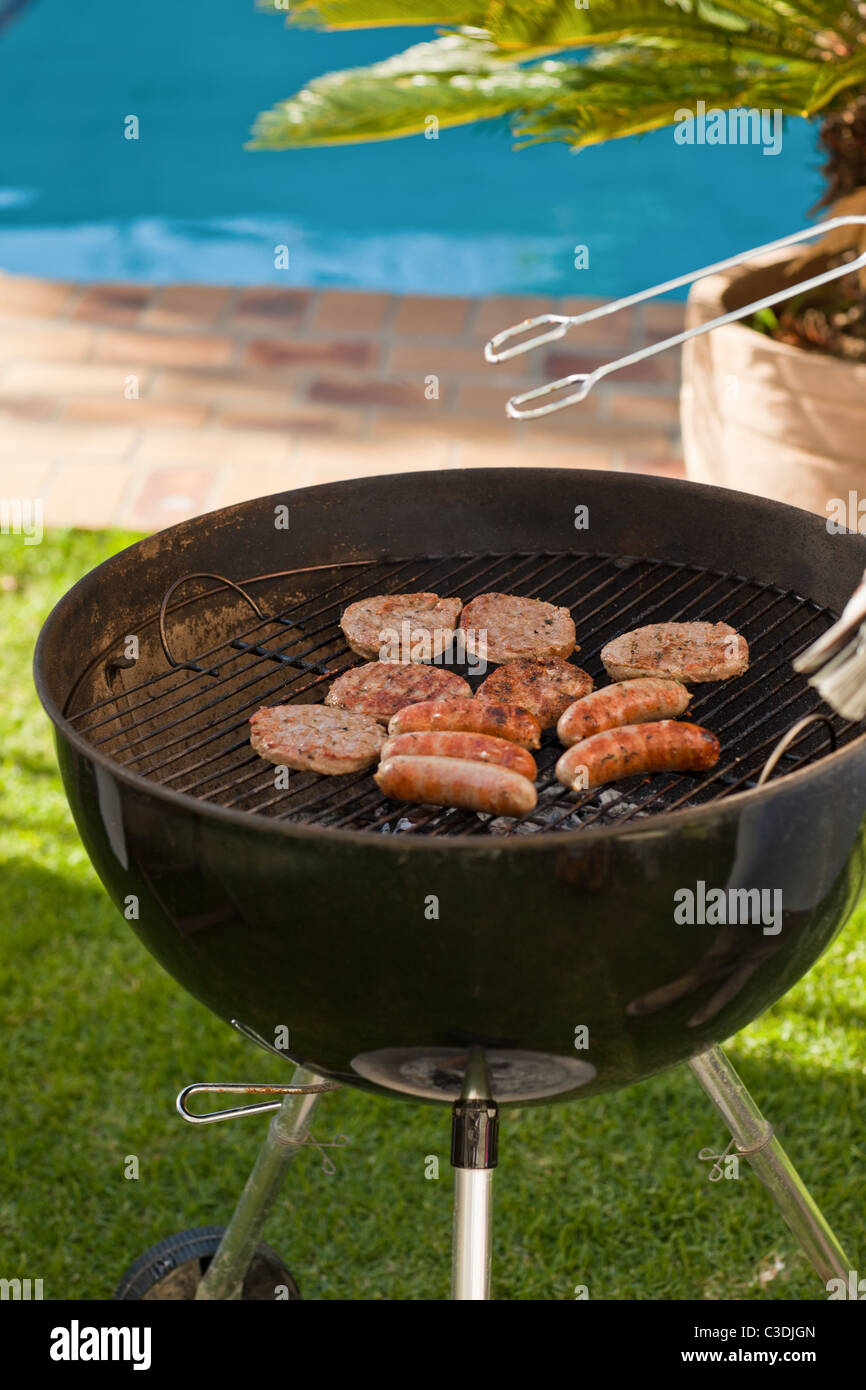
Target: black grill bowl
x,y
386,955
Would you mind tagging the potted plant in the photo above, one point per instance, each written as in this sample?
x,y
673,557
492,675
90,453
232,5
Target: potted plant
x,y
775,405
781,411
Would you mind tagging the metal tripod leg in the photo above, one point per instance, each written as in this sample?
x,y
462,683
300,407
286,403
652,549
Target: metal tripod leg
x,y
225,1274
755,1141
474,1135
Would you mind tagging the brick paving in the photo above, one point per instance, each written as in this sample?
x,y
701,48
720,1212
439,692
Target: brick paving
x,y
139,406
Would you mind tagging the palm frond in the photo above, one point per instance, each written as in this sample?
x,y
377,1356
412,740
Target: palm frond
x,y
627,97
449,78
529,27
532,27
647,59
368,14
839,77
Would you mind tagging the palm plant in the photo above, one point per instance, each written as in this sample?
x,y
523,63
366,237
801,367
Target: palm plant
x,y
586,71
642,61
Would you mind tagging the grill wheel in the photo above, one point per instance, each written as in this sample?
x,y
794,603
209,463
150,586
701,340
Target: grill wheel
x,y
172,1270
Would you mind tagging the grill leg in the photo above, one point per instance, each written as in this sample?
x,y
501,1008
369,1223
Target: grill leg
x,y
225,1275
754,1138
474,1136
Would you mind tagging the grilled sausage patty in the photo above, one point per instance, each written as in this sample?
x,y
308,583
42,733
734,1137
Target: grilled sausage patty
x,y
516,627
457,782
391,627
448,743
315,739
626,702
381,688
471,717
666,746
545,685
687,652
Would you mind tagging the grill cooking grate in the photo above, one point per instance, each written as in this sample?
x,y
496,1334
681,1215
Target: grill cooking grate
x,y
186,726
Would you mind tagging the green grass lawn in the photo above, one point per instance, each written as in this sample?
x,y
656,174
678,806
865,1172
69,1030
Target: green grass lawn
x,y
607,1193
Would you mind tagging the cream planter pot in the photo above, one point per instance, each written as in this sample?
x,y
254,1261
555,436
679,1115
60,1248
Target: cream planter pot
x,y
766,418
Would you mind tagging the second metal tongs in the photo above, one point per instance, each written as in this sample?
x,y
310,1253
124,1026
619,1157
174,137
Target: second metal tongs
x,y
557,325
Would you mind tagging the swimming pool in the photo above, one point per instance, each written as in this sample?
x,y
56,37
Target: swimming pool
x,y
461,215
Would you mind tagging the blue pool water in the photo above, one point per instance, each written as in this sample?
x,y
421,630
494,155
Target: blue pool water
x,y
465,214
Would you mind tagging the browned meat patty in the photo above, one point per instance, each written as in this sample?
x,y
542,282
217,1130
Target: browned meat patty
x,y
315,739
687,652
401,627
546,686
380,688
516,627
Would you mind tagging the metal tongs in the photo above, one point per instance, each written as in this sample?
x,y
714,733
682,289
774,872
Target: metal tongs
x,y
557,325
837,660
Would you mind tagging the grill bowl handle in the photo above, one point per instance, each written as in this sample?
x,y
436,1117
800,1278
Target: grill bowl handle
x,y
211,1117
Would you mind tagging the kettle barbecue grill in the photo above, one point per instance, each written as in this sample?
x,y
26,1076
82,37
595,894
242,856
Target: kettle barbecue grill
x,y
300,908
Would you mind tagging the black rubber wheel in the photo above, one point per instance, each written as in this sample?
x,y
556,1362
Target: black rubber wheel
x,y
173,1269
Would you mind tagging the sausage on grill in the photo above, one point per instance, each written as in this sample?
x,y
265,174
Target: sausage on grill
x,y
457,782
626,702
470,717
666,746
479,748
